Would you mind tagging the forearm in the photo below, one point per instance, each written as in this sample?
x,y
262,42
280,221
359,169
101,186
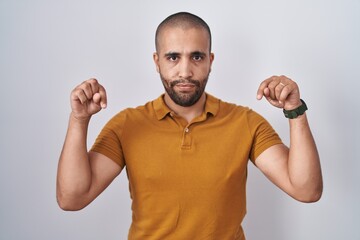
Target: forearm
x,y
304,164
74,170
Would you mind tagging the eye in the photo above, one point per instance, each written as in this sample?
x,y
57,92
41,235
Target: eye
x,y
198,58
172,58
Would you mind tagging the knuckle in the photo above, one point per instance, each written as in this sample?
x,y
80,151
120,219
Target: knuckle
x,y
87,86
90,81
76,91
273,84
93,81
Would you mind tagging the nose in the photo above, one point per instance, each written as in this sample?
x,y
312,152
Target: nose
x,y
185,69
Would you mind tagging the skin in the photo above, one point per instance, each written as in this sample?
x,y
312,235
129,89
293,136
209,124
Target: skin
x,y
184,55
295,170
83,175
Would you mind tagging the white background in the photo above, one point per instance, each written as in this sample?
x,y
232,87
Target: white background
x,y
48,47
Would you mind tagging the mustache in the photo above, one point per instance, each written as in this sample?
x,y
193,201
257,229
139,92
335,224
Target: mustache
x,y
184,81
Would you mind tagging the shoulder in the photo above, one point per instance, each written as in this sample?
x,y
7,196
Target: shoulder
x,y
233,109
140,112
238,114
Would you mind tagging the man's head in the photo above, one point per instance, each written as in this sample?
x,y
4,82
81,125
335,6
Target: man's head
x,y
183,57
182,20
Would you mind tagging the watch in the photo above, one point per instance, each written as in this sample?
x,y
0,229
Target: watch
x,y
291,114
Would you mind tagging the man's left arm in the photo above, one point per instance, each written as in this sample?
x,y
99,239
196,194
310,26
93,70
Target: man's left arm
x,y
296,170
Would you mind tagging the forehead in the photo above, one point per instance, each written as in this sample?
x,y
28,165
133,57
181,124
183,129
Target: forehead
x,y
179,39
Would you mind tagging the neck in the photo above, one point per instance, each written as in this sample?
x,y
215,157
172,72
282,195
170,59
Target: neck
x,y
188,113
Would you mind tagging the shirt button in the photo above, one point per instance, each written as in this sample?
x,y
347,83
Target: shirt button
x,y
186,130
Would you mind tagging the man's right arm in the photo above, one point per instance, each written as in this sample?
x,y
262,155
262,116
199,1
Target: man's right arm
x,y
83,175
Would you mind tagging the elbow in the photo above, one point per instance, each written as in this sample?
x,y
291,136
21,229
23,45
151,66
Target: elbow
x,y
68,207
68,203
310,196
308,191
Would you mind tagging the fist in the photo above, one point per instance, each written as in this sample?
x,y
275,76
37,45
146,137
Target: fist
x,y
87,99
281,92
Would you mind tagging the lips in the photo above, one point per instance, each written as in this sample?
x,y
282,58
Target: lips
x,y
189,82
185,86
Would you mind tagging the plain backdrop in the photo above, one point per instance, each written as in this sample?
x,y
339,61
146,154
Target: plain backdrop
x,y
49,47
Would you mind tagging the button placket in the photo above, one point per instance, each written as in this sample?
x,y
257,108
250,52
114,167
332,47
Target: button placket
x,y
186,141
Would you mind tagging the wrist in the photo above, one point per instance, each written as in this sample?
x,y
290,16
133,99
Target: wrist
x,y
296,111
292,106
79,119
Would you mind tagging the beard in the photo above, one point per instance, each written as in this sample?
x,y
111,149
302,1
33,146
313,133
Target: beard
x,y
184,98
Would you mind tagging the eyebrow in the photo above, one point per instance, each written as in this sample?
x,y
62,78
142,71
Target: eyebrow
x,y
198,53
172,54
176,54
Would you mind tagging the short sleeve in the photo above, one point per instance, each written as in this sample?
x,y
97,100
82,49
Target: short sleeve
x,y
108,141
263,135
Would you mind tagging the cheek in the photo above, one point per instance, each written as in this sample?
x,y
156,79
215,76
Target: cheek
x,y
165,81
168,68
168,73
203,73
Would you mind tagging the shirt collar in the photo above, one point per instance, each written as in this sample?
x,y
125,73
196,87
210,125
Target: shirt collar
x,y
161,109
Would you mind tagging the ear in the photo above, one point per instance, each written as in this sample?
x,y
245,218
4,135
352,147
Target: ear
x,y
156,61
212,56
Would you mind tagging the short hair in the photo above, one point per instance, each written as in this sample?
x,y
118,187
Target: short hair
x,y
182,20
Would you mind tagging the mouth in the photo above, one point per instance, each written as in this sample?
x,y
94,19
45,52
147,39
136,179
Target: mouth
x,y
185,86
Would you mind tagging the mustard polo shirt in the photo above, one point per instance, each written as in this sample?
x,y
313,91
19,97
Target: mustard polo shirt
x,y
186,180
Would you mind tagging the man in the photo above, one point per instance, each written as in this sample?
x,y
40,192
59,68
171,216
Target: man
x,y
186,153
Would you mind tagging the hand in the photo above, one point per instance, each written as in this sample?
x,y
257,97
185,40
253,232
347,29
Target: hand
x,y
281,92
87,99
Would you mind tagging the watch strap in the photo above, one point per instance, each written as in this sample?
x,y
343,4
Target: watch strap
x,y
291,114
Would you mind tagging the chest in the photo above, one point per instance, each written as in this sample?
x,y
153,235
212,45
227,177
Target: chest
x,y
198,156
